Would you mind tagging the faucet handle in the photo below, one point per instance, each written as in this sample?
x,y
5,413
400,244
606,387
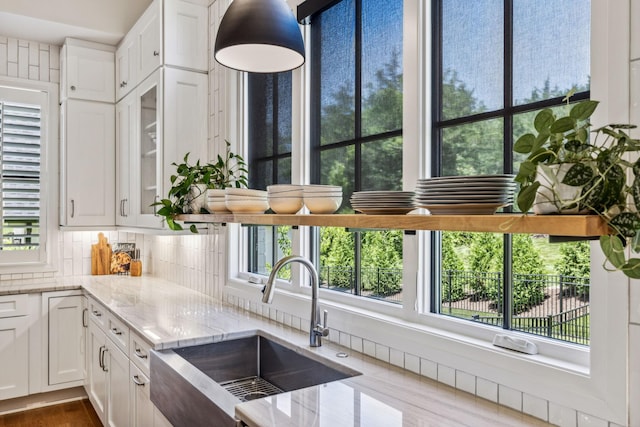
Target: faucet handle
x,y
322,330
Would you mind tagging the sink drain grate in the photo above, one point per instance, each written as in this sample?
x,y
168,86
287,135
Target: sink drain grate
x,y
250,388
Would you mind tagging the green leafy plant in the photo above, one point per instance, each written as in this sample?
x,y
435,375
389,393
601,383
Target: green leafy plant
x,y
600,166
227,171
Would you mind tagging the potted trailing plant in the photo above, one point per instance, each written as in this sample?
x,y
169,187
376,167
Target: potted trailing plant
x,y
191,182
572,168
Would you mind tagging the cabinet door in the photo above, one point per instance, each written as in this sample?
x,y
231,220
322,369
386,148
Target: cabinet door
x,y
66,339
126,134
149,154
126,62
185,119
118,404
90,74
14,357
185,35
149,34
141,406
97,375
89,163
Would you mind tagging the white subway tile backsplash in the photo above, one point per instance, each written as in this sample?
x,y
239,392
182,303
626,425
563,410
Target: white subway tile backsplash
x,y
487,389
562,416
535,406
510,397
396,357
447,375
585,420
412,363
369,348
357,344
466,382
429,369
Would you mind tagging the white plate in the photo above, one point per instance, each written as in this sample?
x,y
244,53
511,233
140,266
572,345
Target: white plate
x,y
456,197
498,177
463,209
461,202
383,193
385,211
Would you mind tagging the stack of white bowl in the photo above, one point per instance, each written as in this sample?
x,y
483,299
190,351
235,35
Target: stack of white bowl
x,y
322,199
246,200
216,202
285,198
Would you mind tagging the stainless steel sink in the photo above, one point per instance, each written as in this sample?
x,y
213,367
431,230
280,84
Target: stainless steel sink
x,y
193,385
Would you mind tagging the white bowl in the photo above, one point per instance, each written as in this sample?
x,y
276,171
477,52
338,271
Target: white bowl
x,y
322,205
323,193
321,188
247,206
217,206
283,188
245,192
215,192
286,205
243,198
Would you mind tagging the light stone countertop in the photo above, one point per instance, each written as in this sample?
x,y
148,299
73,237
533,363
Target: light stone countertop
x,y
168,316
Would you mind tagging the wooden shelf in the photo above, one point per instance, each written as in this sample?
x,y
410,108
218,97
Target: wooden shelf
x,y
555,225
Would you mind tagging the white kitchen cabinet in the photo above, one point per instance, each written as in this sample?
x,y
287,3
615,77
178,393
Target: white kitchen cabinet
x,y
14,346
126,133
186,35
185,120
88,157
148,32
87,71
67,320
126,66
116,365
167,119
97,385
141,406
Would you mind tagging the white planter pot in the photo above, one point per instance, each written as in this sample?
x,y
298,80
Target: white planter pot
x,y
553,197
198,198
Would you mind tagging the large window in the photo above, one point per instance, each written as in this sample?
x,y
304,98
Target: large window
x,y
356,137
269,133
22,136
494,68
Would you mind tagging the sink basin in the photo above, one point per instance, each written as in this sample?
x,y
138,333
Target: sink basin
x,y
193,385
254,367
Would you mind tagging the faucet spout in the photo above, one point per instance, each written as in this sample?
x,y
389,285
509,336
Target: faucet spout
x,y
317,329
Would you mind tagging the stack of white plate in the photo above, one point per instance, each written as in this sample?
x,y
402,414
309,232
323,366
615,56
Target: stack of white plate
x,y
383,202
468,195
285,198
322,199
246,200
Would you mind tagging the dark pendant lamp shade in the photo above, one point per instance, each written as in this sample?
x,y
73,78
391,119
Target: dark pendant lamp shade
x,y
259,36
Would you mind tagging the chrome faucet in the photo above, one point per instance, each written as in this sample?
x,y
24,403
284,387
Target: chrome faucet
x,y
317,330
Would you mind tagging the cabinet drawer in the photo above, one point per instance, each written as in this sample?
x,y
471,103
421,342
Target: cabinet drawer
x,y
139,352
97,313
13,305
119,333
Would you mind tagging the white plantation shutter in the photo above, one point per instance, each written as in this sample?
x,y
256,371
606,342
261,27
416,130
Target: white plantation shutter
x,y
20,139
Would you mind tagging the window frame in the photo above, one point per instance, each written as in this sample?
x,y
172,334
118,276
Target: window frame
x,y
46,257
591,381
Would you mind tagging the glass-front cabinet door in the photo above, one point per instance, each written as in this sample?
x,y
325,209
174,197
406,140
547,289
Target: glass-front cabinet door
x,y
149,153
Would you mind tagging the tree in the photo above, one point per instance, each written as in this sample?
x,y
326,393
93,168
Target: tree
x,y
451,289
382,261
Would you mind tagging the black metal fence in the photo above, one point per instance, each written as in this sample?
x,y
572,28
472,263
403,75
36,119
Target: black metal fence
x,y
378,283
554,306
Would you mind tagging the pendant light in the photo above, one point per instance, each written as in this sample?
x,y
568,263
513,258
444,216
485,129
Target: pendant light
x,y
259,36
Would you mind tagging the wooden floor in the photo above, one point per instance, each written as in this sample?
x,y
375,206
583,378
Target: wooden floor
x,y
78,413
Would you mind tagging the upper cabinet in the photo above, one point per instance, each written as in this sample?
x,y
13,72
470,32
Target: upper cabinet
x,y
87,71
170,32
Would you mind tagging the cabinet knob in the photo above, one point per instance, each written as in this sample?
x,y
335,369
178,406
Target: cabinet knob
x,y
156,53
136,380
72,87
123,84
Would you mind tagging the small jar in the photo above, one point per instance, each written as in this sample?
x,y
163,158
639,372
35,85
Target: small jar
x,y
135,268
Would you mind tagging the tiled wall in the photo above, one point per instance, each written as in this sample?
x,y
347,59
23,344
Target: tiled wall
x,y
190,260
29,60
